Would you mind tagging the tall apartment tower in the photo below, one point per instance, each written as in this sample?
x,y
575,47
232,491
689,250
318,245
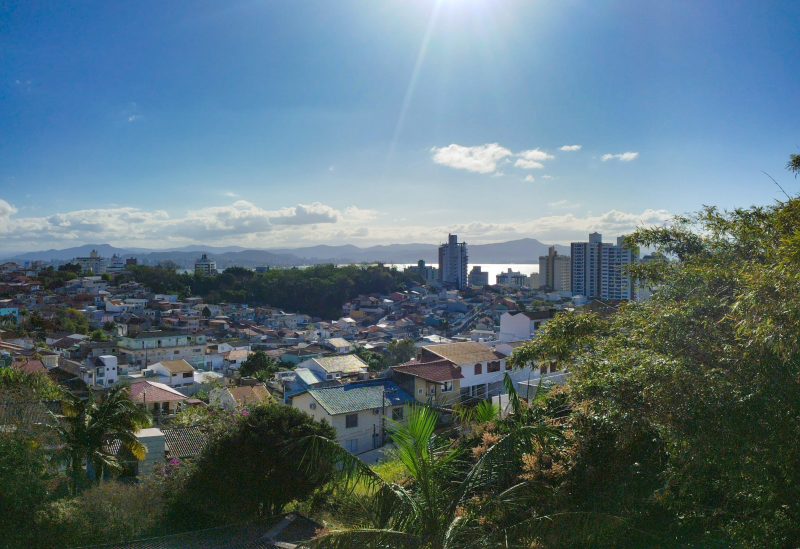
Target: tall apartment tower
x,y
598,269
205,266
453,263
555,271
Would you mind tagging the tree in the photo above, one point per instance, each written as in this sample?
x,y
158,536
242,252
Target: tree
x,y
88,428
376,362
259,361
99,335
23,475
206,312
447,499
401,350
253,470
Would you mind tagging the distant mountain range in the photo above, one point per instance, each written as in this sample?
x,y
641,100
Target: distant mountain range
x,y
525,250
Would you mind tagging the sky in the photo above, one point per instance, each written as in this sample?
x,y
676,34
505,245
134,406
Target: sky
x,y
289,123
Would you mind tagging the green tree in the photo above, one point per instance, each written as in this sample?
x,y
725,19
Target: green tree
x,y
23,476
253,470
375,361
259,361
206,312
401,350
88,427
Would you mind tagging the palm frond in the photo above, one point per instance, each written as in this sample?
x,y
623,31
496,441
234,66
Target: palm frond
x,y
366,538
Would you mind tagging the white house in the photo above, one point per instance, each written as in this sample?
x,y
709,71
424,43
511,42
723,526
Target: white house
x,y
340,345
101,371
481,366
175,373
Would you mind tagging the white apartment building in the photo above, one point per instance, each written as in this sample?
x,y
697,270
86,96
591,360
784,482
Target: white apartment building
x,y
555,271
453,263
598,269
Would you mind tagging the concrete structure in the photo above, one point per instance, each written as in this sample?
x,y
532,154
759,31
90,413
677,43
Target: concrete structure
x,y
205,266
337,367
453,263
513,279
358,411
147,348
555,271
598,269
521,326
175,373
478,278
432,382
100,372
428,274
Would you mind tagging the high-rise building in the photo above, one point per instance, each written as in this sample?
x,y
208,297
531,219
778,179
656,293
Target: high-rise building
x,y
205,266
555,271
428,274
598,269
453,263
478,277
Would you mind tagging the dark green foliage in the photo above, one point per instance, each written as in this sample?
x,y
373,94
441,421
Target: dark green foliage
x,y
320,290
375,361
259,363
400,350
23,486
253,470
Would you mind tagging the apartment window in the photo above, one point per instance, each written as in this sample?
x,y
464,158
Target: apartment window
x,y
397,414
478,369
351,421
188,374
447,386
176,352
494,366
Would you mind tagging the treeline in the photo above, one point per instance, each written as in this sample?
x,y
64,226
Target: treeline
x,y
320,290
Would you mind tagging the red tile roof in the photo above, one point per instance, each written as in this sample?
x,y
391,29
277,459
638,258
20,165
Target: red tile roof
x,y
437,371
147,391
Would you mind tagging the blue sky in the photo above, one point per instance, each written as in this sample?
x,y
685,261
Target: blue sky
x,y
267,123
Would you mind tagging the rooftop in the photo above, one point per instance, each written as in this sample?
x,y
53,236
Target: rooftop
x,y
176,366
356,397
465,352
151,391
344,364
437,371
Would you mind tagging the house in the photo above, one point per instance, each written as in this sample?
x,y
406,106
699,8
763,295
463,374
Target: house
x,y
481,366
437,381
521,326
337,367
144,348
244,396
100,372
159,399
339,345
357,411
176,373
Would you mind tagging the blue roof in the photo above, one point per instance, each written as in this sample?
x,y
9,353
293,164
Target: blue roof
x,y
355,397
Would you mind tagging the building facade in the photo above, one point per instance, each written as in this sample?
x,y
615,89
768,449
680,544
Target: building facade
x,y
599,269
555,271
205,266
453,263
147,348
478,277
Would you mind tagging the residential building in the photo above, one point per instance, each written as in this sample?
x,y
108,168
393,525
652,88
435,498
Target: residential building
x,y
94,264
478,278
205,266
435,381
357,411
453,263
101,371
513,279
175,373
555,271
148,347
340,345
159,399
337,367
235,398
481,366
428,274
521,326
598,269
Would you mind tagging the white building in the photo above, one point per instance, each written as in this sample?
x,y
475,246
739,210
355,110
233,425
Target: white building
x,y
519,326
481,366
205,266
478,278
513,279
174,373
555,271
453,263
101,371
598,269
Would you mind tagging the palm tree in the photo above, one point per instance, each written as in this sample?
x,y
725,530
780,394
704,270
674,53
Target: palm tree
x,y
88,428
445,503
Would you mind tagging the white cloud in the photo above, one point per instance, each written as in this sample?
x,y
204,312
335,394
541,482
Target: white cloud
x,y
563,205
528,164
547,176
529,178
535,154
478,159
622,157
571,148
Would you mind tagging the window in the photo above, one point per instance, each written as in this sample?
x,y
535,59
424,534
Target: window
x,y
176,352
351,421
478,369
397,414
494,366
313,405
447,386
187,374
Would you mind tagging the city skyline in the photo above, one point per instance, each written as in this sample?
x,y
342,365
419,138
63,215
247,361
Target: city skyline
x,y
266,125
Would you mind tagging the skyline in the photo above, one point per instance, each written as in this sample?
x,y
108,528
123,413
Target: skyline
x,y
268,126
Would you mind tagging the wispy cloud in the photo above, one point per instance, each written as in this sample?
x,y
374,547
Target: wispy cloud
x,y
535,154
622,157
230,194
547,176
477,159
564,205
570,148
529,178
